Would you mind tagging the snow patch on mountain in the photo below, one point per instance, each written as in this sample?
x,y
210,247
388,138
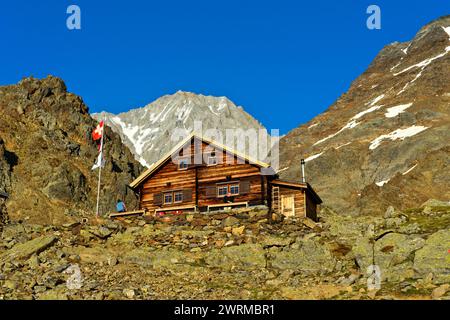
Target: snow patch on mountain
x,y
423,64
343,145
395,111
349,125
409,170
376,100
447,29
352,123
371,109
127,130
397,134
382,183
315,156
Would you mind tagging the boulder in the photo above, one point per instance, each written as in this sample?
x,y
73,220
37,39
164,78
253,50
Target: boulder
x,y
249,256
58,293
276,241
156,259
101,232
237,231
230,221
440,291
434,205
434,257
390,211
27,249
310,258
93,255
390,252
129,293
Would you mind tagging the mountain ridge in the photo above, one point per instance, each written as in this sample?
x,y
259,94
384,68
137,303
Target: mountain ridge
x,y
146,130
392,118
46,155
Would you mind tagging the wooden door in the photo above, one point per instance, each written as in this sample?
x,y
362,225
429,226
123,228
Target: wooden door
x,y
287,205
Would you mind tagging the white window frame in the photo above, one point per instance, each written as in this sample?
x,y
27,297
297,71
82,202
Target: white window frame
x,y
234,185
222,187
180,160
175,193
164,197
209,161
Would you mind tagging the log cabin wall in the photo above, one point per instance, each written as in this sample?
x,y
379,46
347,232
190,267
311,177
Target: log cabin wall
x,y
202,180
305,203
311,208
299,200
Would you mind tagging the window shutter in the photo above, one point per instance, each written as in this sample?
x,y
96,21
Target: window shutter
x,y
244,187
157,199
187,195
211,192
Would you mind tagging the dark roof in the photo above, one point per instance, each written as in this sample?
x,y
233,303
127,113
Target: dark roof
x,y
4,194
296,185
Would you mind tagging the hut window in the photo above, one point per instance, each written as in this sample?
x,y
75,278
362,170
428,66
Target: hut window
x,y
183,164
178,197
234,189
168,198
222,191
212,161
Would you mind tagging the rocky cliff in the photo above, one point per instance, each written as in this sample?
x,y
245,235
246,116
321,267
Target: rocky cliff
x,y
387,140
147,131
46,155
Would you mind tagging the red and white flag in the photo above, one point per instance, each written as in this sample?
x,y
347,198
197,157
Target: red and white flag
x,y
98,132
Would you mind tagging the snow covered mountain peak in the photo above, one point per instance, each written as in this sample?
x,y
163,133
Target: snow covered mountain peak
x,y
146,131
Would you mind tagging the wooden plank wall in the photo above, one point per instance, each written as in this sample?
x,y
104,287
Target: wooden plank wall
x,y
299,200
311,208
169,178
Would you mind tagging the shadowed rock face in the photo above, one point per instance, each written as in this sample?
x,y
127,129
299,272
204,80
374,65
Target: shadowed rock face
x,y
46,155
387,140
7,161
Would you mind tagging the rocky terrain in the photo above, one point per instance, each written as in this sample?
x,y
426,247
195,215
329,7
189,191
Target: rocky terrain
x,y
380,150
231,255
147,131
387,140
46,155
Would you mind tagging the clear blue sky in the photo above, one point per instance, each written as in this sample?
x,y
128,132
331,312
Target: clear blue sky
x,y
284,61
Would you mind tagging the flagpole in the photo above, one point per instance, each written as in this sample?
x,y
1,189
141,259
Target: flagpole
x,y
100,170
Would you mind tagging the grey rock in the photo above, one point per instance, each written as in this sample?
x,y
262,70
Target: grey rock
x,y
230,221
433,257
27,249
310,258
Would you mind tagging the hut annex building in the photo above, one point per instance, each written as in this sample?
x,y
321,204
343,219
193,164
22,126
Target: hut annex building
x,y
214,177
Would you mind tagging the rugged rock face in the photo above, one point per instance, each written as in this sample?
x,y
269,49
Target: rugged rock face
x,y
7,161
387,140
46,155
147,131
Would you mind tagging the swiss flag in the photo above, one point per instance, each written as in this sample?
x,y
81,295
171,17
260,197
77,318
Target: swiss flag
x,y
98,132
